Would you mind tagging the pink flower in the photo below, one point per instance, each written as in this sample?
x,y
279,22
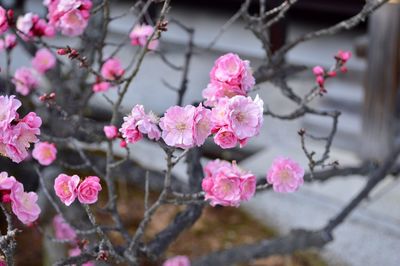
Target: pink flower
x,y
9,42
343,55
177,126
140,34
25,23
3,20
8,110
111,132
24,80
177,261
72,23
225,184
66,188
24,204
245,116
31,25
45,153
216,90
76,251
285,175
112,69
225,138
318,71
62,230
89,189
202,125
6,182
44,60
101,86
149,125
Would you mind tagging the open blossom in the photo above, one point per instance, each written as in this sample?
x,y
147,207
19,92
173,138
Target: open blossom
x,y
101,86
62,230
177,261
8,110
6,182
66,188
69,16
9,42
44,60
89,189
44,152
230,76
111,132
25,80
140,34
185,127
285,175
112,69
3,20
225,138
31,25
226,184
24,204
138,123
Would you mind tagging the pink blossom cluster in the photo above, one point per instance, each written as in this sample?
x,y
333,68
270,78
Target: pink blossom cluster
x,y
25,80
237,119
23,204
226,184
69,16
285,175
111,70
8,42
186,127
230,76
138,123
177,261
44,152
5,17
140,34
68,188
43,61
16,134
31,25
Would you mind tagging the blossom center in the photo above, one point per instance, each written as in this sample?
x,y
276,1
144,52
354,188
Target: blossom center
x,y
181,126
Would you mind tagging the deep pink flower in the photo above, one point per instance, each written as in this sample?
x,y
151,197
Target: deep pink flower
x,y
44,60
6,182
24,204
31,25
101,86
225,184
225,138
177,126
343,55
112,69
129,128
318,71
62,230
8,110
25,80
177,261
285,175
89,189
140,34
9,42
72,23
3,20
44,152
66,188
111,132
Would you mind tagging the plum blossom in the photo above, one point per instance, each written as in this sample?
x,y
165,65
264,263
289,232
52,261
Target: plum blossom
x,y
177,261
89,189
344,56
285,175
62,230
101,86
66,188
24,204
25,80
69,16
112,69
6,182
226,184
230,76
44,152
202,125
31,25
8,110
76,251
9,42
140,34
3,20
225,138
43,61
138,123
111,132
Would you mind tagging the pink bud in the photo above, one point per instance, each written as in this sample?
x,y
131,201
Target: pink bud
x,y
111,132
320,80
62,51
318,70
332,74
123,144
343,69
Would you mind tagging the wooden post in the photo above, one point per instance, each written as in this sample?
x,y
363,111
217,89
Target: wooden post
x,y
381,114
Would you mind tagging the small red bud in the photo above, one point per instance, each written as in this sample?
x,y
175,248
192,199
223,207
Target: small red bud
x,y
343,69
62,51
6,198
320,80
123,144
332,74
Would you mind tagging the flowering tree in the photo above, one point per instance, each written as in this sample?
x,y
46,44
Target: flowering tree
x,y
54,122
